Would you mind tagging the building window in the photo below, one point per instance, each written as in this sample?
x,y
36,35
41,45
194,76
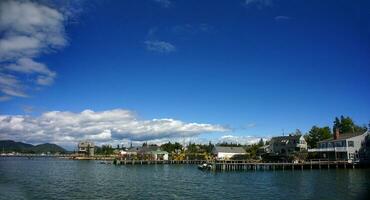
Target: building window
x,y
351,144
338,144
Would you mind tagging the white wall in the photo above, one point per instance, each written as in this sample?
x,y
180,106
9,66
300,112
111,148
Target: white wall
x,y
222,155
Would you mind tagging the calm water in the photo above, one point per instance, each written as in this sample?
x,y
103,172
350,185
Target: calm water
x,y
65,179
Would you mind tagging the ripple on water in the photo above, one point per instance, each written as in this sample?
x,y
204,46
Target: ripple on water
x,y
66,179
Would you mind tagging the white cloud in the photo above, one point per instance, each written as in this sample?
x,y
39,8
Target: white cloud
x,y
10,86
27,66
241,139
164,3
258,3
28,29
282,18
107,126
159,46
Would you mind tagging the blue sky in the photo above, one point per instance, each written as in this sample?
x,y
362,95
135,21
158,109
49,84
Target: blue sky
x,y
253,67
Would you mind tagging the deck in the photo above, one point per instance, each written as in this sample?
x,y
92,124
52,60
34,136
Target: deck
x,y
313,164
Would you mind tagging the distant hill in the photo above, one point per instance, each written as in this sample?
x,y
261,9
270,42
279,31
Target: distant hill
x,y
47,147
20,147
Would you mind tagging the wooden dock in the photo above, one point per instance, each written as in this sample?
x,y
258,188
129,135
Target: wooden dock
x,y
155,162
313,164
243,165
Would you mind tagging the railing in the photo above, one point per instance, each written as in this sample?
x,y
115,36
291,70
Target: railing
x,y
334,149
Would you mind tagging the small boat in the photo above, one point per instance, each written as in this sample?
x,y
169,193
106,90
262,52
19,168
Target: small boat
x,y
205,166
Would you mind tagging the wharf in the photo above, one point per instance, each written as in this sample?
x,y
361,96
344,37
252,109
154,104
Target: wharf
x,y
154,162
236,165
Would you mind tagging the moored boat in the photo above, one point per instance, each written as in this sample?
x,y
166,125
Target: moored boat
x,y
205,166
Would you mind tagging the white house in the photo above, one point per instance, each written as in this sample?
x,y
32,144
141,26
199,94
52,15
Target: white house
x,y
159,155
341,146
224,153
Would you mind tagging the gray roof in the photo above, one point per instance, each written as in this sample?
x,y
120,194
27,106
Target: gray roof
x,y
342,136
145,149
285,139
219,149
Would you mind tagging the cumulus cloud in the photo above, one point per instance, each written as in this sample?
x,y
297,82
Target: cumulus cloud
x,y
106,126
27,29
240,139
159,46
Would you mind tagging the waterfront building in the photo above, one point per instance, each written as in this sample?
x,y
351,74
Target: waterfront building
x,y
86,147
225,153
265,149
147,152
364,152
345,146
159,155
287,145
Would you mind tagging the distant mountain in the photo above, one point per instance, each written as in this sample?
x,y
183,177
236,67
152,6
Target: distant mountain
x,y
47,147
12,146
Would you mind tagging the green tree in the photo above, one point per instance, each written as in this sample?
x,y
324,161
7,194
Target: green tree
x,y
347,125
104,150
261,143
169,147
317,134
252,150
336,125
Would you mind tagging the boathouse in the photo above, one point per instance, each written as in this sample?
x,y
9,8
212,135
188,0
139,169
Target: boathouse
x,y
159,155
225,153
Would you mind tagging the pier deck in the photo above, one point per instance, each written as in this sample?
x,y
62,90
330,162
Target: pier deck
x,y
235,165
154,162
314,164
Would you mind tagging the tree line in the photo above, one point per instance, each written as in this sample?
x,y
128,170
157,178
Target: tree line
x,y
343,124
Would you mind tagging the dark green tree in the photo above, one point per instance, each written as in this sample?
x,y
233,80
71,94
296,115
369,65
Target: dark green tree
x,y
346,125
169,147
104,150
336,125
317,134
261,143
